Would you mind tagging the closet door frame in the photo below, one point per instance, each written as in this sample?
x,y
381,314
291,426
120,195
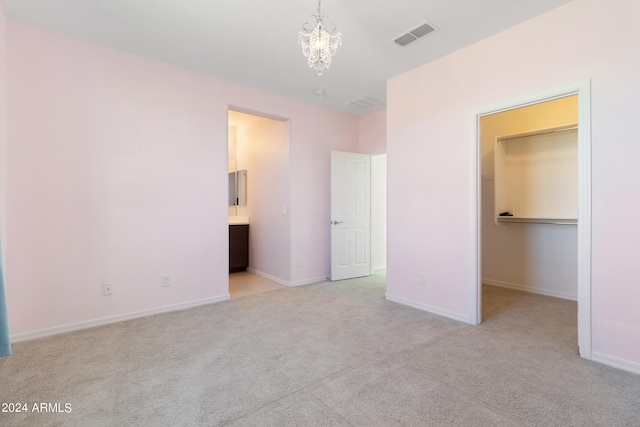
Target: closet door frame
x,y
583,90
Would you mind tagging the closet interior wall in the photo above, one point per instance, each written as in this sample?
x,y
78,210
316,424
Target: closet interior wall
x,y
540,258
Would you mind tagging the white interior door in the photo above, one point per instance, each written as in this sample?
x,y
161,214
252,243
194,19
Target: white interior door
x,y
350,215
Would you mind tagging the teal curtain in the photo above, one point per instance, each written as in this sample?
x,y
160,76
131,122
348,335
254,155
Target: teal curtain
x,y
5,344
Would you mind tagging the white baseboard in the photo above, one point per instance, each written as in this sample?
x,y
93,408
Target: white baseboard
x,y
424,307
530,289
113,319
268,276
284,282
309,281
615,362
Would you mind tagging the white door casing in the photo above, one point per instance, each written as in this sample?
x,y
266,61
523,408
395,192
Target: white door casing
x,y
350,215
583,90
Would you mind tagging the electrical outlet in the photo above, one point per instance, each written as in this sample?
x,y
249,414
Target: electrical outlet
x,y
165,280
107,289
422,279
299,262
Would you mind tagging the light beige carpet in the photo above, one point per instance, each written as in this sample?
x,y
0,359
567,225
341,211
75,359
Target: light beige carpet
x,y
328,354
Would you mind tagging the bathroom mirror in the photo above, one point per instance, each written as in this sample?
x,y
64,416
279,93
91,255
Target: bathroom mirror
x,y
238,188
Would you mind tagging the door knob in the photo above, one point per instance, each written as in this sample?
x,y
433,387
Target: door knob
x,y
336,222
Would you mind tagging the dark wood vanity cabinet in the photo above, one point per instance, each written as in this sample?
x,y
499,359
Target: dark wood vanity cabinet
x,y
238,247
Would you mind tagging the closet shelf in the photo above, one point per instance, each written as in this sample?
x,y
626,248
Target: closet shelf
x,y
528,220
536,176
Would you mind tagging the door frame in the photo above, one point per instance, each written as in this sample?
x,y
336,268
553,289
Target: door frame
x,y
583,90
287,265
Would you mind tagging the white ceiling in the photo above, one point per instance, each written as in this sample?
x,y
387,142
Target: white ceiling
x,y
255,41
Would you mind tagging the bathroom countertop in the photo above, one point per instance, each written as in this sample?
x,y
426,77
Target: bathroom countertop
x,y
238,220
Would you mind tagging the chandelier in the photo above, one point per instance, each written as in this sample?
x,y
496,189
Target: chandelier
x,y
319,44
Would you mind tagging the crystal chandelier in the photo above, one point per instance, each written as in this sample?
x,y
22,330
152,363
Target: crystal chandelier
x,y
319,44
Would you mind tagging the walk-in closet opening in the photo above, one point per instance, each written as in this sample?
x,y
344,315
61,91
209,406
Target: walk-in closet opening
x,y
529,196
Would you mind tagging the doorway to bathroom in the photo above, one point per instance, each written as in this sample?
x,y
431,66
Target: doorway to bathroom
x,y
259,243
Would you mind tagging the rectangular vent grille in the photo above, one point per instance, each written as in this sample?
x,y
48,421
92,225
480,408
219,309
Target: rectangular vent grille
x,y
365,102
415,34
405,39
422,30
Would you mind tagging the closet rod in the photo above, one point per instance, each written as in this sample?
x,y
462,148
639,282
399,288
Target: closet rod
x,y
539,132
513,219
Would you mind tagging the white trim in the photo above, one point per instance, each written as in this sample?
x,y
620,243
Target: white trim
x,y
583,90
114,319
428,308
284,282
309,281
616,362
475,221
530,289
584,220
268,276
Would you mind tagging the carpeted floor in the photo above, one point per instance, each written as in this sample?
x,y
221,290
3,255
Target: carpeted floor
x,y
328,354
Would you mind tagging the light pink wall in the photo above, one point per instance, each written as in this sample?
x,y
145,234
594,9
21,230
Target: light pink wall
x,y
110,156
373,132
310,189
117,171
430,157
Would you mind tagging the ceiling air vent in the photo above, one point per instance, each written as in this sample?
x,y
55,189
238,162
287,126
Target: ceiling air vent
x,y
365,102
413,35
